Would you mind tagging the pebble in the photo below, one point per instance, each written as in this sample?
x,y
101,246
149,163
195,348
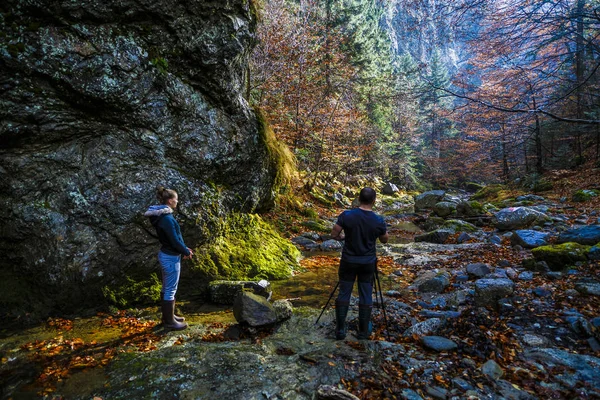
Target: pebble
x,y
492,370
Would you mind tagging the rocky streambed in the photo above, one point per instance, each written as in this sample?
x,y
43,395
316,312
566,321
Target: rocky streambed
x,y
478,316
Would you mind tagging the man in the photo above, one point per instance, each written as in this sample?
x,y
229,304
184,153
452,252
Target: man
x,y
362,227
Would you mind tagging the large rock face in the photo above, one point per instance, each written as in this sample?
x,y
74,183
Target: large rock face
x,y
100,102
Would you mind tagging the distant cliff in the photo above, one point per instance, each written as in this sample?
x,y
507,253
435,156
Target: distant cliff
x,y
100,102
420,27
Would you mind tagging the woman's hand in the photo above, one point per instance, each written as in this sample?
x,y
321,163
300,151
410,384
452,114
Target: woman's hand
x,y
190,256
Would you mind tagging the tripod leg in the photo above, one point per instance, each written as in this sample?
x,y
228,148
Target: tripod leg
x,y
382,305
328,300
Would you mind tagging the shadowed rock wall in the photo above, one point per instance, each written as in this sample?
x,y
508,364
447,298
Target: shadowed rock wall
x,y
100,102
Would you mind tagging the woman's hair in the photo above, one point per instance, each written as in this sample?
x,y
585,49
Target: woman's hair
x,y
163,195
367,196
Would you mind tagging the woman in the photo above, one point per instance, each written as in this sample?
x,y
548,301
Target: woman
x,y
169,256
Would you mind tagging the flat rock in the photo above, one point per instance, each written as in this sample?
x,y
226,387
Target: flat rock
x,y
432,282
225,292
588,235
489,291
588,287
529,239
424,328
438,343
478,270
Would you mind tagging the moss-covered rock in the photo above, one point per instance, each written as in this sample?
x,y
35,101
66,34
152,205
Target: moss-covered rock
x,y
561,256
246,248
457,225
134,292
585,195
488,192
542,185
316,226
473,187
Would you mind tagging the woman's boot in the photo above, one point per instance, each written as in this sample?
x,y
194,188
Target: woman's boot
x,y
365,327
177,317
341,311
168,312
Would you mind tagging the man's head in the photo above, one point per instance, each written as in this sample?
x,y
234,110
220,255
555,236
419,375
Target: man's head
x,y
367,196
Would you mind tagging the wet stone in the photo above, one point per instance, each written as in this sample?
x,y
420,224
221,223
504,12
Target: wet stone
x,y
532,340
424,328
437,392
438,343
542,292
492,370
461,384
409,394
478,270
332,393
331,245
526,276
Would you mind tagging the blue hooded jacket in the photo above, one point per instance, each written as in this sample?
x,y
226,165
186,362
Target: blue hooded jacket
x,y
167,229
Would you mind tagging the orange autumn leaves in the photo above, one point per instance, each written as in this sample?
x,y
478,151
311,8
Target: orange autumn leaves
x,y
61,356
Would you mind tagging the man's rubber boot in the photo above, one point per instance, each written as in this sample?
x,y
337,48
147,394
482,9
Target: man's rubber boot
x,y
365,326
168,310
341,311
177,317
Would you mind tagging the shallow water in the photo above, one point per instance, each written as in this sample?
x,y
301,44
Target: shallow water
x,y
22,367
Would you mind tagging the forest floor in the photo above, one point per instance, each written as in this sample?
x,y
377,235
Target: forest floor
x,y
541,342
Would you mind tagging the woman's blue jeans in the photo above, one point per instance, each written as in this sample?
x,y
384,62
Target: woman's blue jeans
x,y
170,267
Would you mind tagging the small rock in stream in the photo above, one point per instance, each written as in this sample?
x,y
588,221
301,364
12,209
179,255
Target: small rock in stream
x,y
438,343
332,393
492,370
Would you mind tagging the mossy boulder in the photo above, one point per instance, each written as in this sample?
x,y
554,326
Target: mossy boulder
x,y
456,225
561,256
585,195
444,208
489,192
134,292
542,185
473,187
469,208
246,248
316,226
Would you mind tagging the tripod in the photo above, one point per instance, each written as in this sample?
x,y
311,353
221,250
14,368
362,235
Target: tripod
x,y
379,300
328,300
381,303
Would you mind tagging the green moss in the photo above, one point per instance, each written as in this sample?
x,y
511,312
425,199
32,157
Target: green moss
x,y
161,64
281,159
315,226
310,213
561,256
457,225
542,185
476,206
246,248
473,186
585,195
134,292
320,198
491,192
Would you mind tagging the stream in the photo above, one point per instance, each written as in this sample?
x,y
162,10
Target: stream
x,y
72,359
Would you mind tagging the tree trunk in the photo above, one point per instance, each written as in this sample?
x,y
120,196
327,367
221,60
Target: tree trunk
x,y
579,73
